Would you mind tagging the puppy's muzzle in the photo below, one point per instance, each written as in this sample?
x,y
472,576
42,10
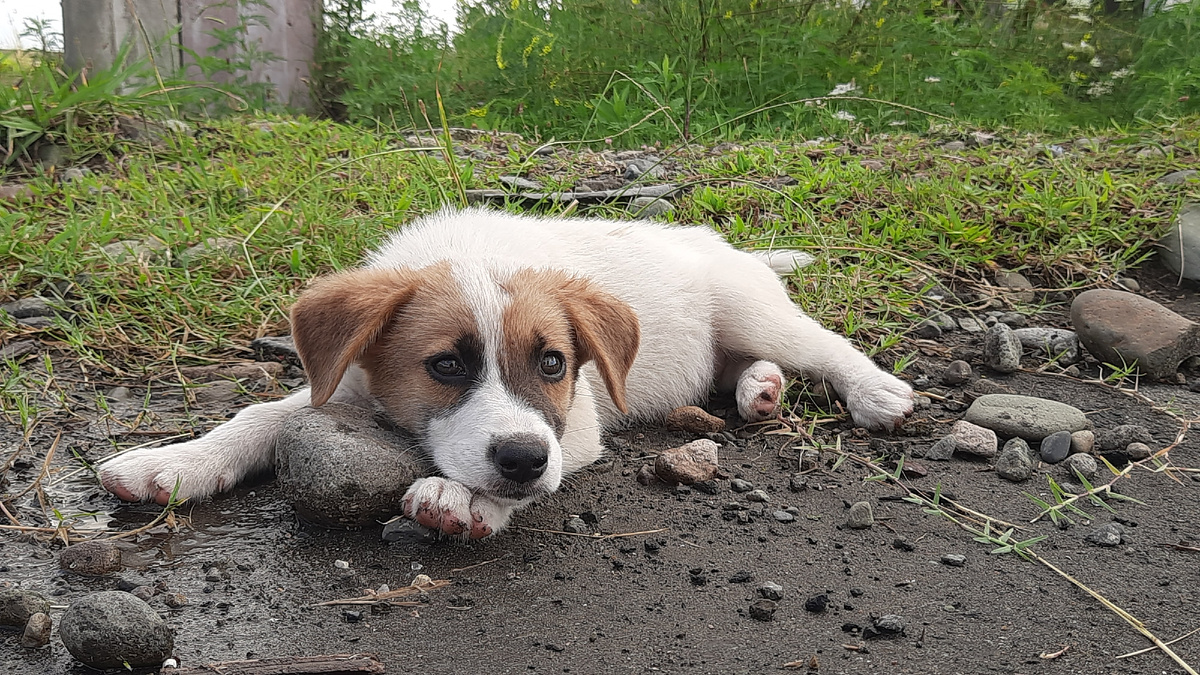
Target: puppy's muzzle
x,y
521,458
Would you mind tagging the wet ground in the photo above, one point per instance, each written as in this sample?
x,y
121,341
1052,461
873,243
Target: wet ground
x,y
675,600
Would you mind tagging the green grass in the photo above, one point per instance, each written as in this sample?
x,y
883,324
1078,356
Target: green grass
x,y
881,237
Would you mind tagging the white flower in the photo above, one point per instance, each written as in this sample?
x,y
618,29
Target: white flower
x,y
845,116
1082,17
844,89
1122,73
1079,4
897,123
1100,88
1095,62
1075,77
933,79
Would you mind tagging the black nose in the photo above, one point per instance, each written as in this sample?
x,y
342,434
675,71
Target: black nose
x,y
520,459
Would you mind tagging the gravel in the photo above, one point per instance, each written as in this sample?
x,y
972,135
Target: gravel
x,y
111,629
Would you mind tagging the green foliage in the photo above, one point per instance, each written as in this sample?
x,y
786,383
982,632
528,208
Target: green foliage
x,y
733,68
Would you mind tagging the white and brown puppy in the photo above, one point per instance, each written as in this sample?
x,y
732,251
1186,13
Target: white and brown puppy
x,y
506,344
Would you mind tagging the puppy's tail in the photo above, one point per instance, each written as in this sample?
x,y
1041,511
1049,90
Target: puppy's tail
x,y
783,261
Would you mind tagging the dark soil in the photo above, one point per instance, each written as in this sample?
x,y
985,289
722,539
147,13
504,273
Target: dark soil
x,y
533,601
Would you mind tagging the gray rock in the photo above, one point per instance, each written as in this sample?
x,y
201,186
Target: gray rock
x,y
1001,349
218,391
783,516
39,322
1107,535
1055,447
954,560
1151,152
15,350
1118,438
1082,441
954,146
73,174
1138,451
1016,286
770,590
886,626
861,516
688,464
1179,249
648,165
339,468
970,325
113,629
519,183
1030,418
649,207
758,496
91,558
37,631
1082,465
17,606
1121,328
958,372
763,610
575,526
944,321
15,193
1180,177
928,330
146,250
213,248
973,439
1016,461
1012,319
1054,343
280,348
739,485
942,450
26,308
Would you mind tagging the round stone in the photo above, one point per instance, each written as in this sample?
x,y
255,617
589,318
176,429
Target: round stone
x,y
1056,447
1016,461
861,516
1026,416
688,464
958,372
1082,441
92,558
973,439
17,606
113,629
1082,465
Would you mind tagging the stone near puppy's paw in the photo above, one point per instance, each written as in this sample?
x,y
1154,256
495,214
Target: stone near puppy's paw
x,y
688,464
974,440
1026,416
91,558
694,420
1121,328
339,468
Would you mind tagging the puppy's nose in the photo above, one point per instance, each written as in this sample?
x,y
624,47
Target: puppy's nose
x,y
521,459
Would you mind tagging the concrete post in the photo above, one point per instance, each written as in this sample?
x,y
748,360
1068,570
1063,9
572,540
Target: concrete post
x,y
95,30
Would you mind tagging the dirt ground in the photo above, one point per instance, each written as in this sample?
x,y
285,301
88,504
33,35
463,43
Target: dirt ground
x,y
536,600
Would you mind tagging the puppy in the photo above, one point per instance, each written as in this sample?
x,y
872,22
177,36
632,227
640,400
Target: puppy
x,y
505,344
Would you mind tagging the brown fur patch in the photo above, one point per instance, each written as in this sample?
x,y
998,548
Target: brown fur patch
x,y
551,310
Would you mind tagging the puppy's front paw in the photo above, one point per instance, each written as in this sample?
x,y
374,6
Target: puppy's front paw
x,y
449,507
153,474
879,401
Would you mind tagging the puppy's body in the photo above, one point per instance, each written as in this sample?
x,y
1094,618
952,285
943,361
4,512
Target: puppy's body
x,y
503,299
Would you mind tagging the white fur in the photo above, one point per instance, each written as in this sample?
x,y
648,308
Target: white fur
x,y
706,309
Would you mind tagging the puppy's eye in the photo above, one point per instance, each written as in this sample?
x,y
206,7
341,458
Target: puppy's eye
x,y
446,367
553,364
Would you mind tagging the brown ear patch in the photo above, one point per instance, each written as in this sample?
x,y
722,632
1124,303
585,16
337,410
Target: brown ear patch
x,y
601,327
340,316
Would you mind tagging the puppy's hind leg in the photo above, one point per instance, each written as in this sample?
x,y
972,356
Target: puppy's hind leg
x,y
757,387
756,318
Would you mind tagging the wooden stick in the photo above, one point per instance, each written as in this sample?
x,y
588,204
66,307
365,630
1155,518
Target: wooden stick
x,y
333,664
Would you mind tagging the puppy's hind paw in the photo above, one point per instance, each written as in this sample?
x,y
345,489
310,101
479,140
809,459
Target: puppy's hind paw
x,y
880,401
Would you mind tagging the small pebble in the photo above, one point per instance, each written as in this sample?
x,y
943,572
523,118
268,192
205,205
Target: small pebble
x,y
816,604
954,560
575,526
903,544
797,483
1138,451
958,372
942,450
1056,447
770,590
1107,535
783,516
973,439
175,600
37,631
1081,464
688,464
861,516
143,593
1001,349
888,625
694,420
1082,441
92,558
758,496
739,485
1016,461
763,610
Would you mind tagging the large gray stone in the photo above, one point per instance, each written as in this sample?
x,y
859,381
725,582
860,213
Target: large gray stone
x,y
17,606
1180,177
1121,329
1030,418
339,468
1179,249
26,308
213,248
145,250
649,207
113,629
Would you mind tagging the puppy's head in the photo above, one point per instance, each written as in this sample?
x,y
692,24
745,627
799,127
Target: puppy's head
x,y
481,365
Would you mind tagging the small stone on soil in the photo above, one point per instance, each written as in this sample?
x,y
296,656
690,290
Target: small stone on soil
x,y
783,516
111,629
1081,464
763,610
1026,416
1016,285
92,558
942,450
1137,451
816,604
1052,343
1082,441
575,526
739,485
1001,349
688,464
903,544
17,606
954,560
1016,461
1120,327
1183,238
1118,438
958,372
37,631
973,439
970,325
1107,535
175,600
770,590
888,625
861,516
694,420
758,496
1055,447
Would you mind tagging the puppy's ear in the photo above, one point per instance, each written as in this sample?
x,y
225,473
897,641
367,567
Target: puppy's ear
x,y
338,317
606,331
